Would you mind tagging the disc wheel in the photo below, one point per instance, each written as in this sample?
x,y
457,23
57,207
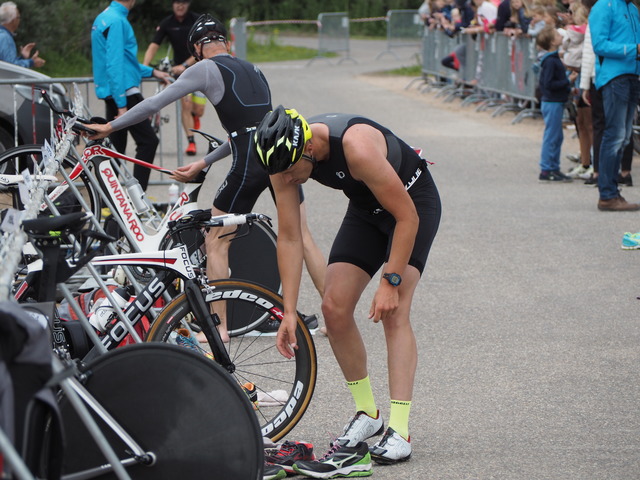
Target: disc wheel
x,y
184,409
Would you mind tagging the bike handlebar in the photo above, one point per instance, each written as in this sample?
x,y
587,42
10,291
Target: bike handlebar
x,y
77,127
203,218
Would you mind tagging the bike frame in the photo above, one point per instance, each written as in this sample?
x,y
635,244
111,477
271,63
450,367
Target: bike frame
x,y
107,175
174,263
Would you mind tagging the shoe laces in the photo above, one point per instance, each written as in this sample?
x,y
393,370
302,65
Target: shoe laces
x,y
287,449
335,446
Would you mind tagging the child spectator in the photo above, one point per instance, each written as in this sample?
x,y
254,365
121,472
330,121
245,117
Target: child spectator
x,y
554,88
540,18
518,22
572,46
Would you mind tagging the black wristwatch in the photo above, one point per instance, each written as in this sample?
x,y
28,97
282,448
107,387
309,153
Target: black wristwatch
x,y
393,278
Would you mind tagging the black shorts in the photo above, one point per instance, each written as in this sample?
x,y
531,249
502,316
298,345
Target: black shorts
x,y
364,239
245,181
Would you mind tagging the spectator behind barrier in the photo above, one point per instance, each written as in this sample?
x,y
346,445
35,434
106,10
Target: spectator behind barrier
x,y
572,47
9,23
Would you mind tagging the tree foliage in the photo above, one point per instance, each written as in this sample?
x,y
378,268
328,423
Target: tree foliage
x,y
62,28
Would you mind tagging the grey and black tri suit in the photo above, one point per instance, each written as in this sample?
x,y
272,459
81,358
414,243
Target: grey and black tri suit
x,y
240,94
364,238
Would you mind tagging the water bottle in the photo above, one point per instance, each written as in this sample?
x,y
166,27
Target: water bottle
x,y
174,194
104,311
137,196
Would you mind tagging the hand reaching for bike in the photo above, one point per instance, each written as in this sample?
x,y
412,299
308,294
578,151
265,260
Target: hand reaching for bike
x,y
286,336
188,172
101,130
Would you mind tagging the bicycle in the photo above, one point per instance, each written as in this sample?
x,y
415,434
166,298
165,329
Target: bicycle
x,y
134,406
282,389
250,256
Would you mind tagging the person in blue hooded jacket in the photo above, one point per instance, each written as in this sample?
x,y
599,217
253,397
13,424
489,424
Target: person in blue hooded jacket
x,y
117,76
615,36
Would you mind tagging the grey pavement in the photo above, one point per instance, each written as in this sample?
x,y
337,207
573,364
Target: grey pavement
x,y
526,317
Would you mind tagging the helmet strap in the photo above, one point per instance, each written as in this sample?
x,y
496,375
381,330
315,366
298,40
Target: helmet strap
x,y
310,158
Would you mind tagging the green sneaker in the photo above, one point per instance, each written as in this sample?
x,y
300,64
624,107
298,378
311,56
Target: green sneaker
x,y
631,241
273,472
339,461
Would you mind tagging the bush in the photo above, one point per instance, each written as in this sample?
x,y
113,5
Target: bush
x,y
62,28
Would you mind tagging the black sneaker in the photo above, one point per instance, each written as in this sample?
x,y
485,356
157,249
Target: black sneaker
x,y
273,472
339,461
591,180
625,180
272,325
553,176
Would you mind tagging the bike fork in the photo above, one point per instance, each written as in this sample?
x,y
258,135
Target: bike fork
x,y
208,324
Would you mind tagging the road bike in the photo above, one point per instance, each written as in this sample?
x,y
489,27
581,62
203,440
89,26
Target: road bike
x,y
281,389
98,178
153,411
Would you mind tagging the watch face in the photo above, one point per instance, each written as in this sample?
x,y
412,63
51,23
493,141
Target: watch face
x,y
393,278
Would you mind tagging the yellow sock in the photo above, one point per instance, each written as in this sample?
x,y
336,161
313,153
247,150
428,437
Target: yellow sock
x,y
363,396
399,417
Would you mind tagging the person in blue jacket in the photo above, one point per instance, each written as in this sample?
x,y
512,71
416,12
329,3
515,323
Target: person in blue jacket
x,y
615,36
117,75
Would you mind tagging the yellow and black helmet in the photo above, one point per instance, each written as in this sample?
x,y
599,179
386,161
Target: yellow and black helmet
x,y
280,139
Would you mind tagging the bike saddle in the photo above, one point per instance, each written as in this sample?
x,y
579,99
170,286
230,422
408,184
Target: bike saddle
x,y
70,222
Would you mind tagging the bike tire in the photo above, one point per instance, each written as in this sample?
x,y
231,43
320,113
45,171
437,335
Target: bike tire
x,y
283,387
182,407
15,160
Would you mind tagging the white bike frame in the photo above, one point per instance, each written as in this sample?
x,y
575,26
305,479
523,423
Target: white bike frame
x,y
144,238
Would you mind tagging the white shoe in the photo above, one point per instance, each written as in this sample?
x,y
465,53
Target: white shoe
x,y
392,448
577,172
587,174
359,428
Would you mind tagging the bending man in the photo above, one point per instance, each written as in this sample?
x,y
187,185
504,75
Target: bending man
x,y
391,221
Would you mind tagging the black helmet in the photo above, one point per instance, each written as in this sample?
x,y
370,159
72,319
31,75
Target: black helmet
x,y
206,29
280,139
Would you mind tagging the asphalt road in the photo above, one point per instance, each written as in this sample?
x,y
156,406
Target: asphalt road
x,y
526,317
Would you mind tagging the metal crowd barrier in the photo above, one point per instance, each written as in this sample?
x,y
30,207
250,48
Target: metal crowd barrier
x,y
333,35
499,67
88,82
404,29
238,31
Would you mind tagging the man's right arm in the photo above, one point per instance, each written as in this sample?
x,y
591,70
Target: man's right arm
x,y
149,55
290,258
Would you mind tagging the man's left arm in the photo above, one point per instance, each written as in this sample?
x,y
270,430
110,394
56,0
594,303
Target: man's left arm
x,y
365,151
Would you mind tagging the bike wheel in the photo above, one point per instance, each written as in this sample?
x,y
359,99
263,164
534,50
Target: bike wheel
x,y
15,160
183,408
282,389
